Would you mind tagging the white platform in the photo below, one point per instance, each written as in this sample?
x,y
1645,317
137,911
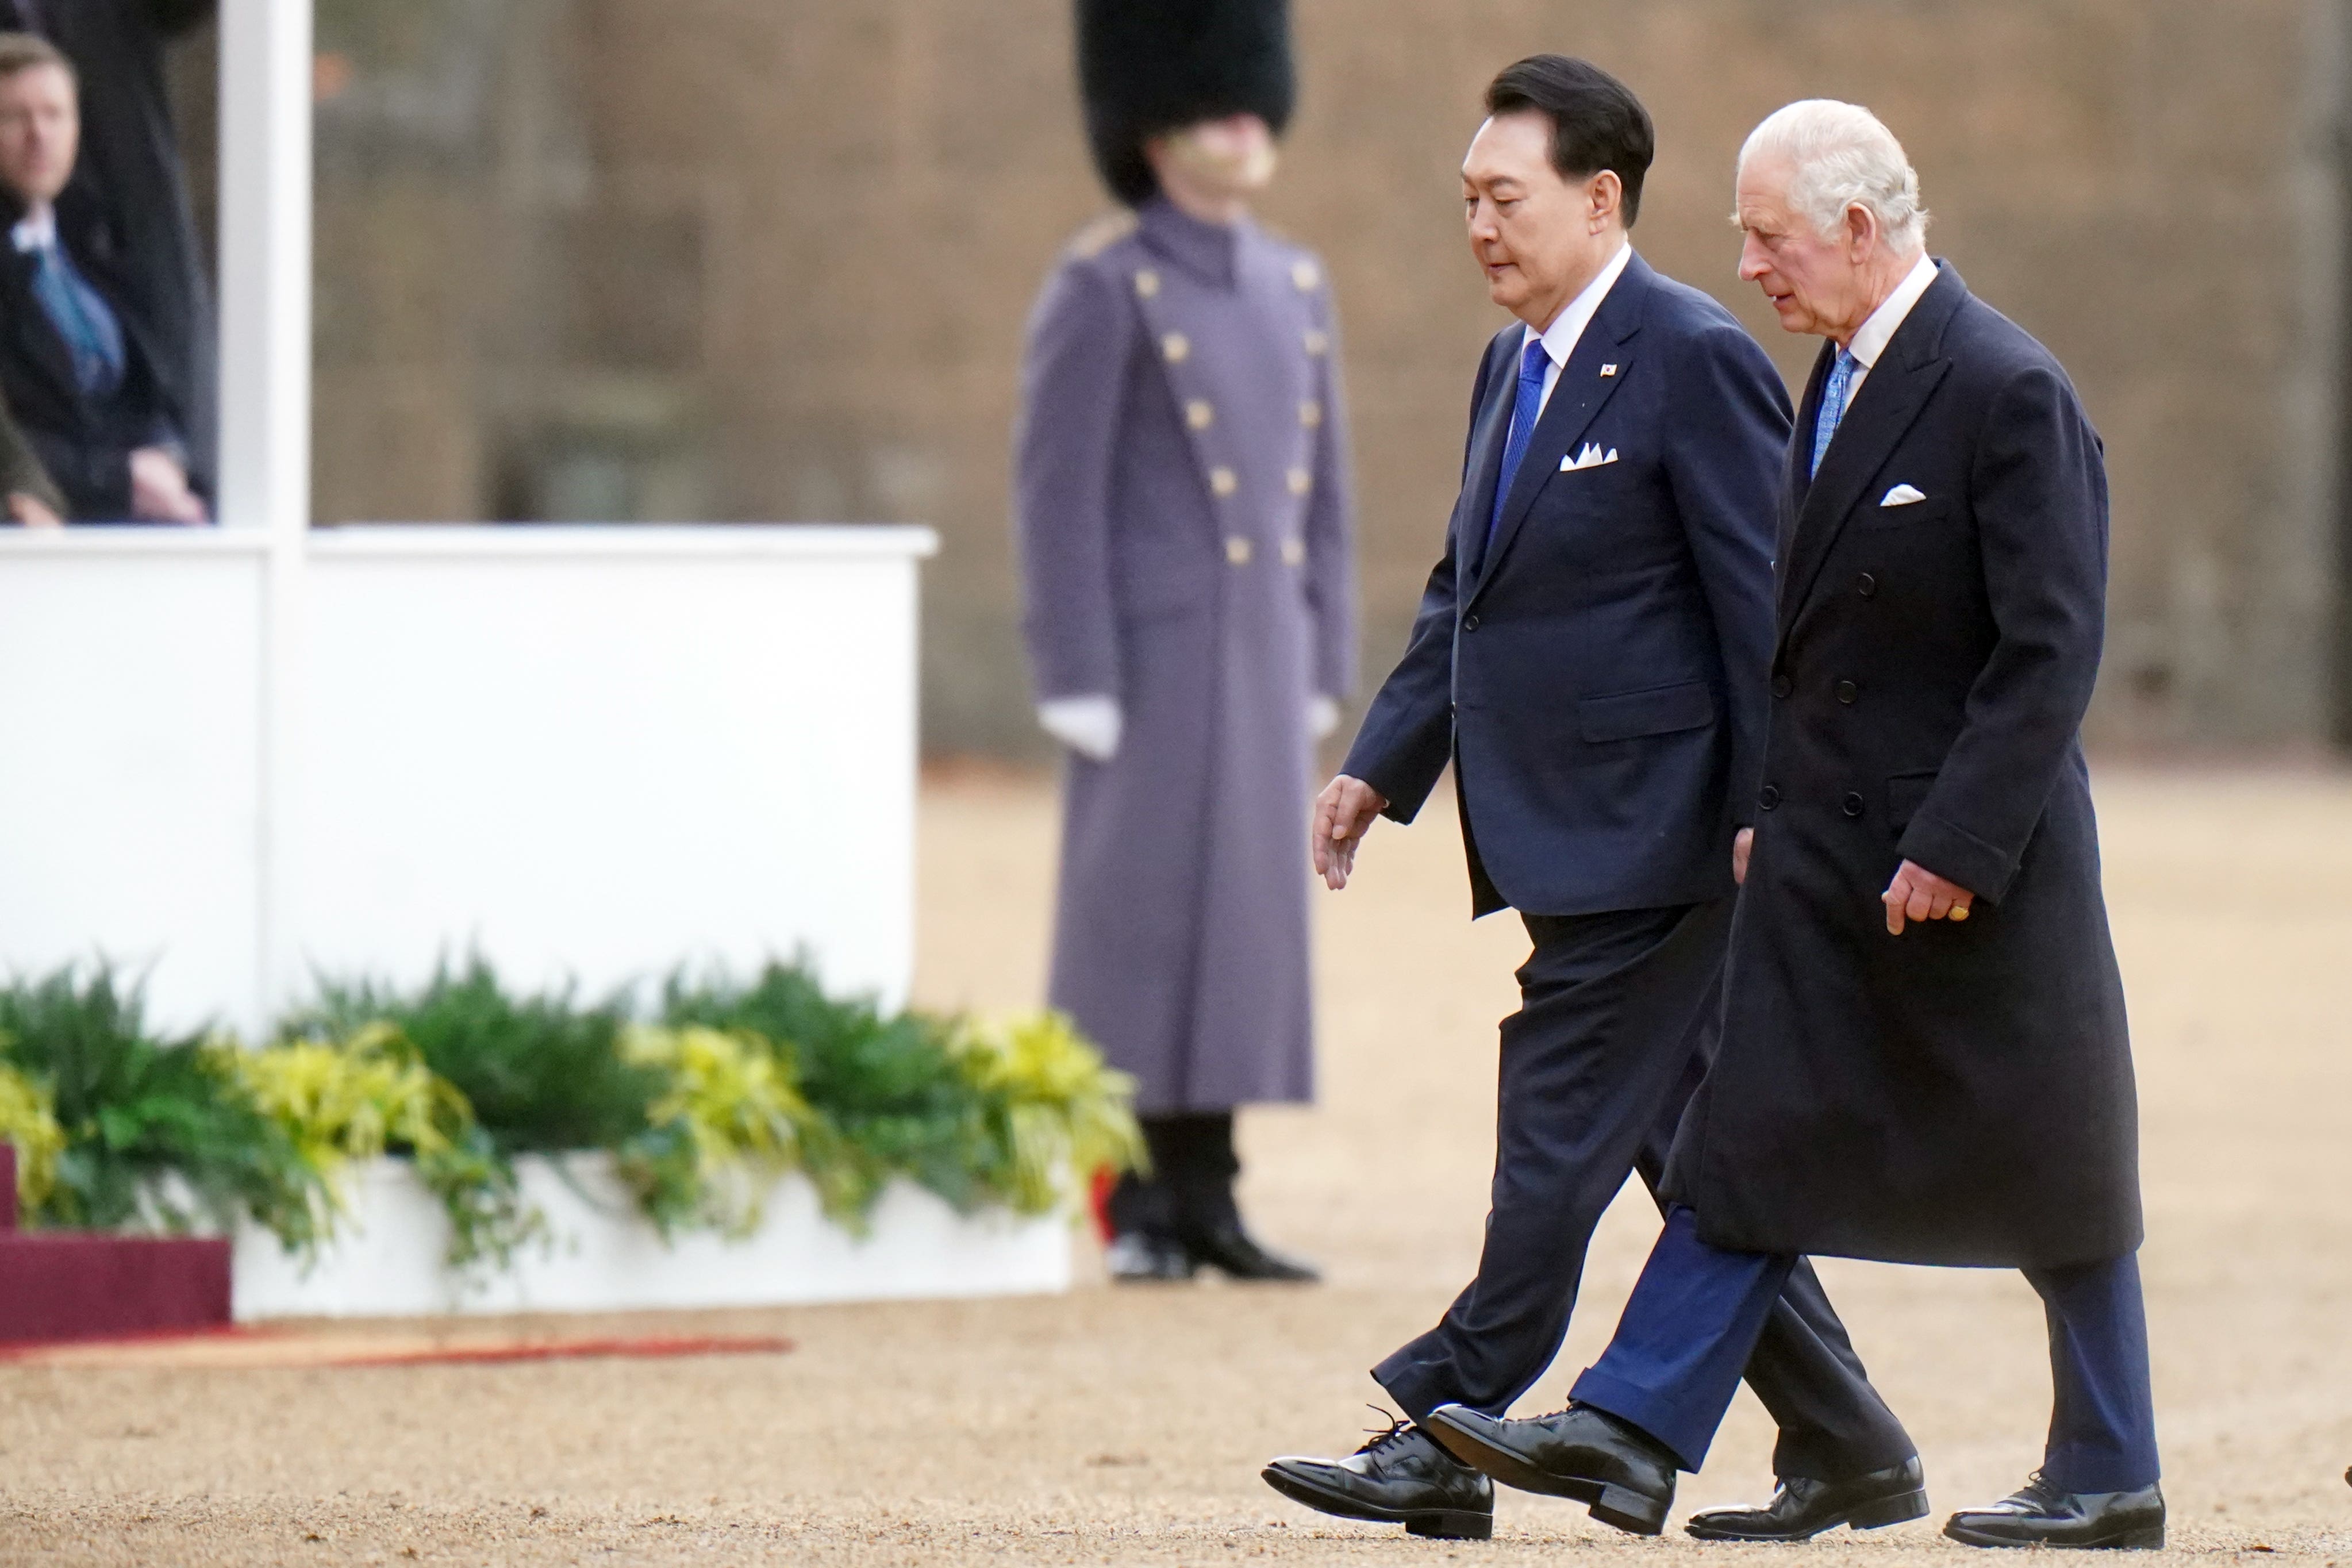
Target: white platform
x,y
242,757
605,1258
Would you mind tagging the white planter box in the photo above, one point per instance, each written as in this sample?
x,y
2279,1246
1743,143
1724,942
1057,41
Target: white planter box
x,y
386,1261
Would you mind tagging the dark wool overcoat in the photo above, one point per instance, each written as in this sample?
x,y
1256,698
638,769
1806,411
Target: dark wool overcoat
x,y
1961,1093
1182,507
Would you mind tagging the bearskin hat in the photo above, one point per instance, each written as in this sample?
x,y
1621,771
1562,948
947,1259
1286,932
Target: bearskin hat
x,y
1146,67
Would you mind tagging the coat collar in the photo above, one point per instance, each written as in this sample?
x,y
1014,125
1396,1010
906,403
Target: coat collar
x,y
1211,251
1816,510
1576,398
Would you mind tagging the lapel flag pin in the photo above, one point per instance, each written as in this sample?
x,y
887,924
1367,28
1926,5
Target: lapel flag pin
x,y
1609,370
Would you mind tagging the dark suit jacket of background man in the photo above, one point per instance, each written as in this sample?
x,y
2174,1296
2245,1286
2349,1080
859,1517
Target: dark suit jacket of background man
x,y
84,442
1961,1093
1596,673
131,162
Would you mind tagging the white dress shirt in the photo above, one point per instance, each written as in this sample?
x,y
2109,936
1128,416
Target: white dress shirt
x,y
1560,338
34,231
1871,340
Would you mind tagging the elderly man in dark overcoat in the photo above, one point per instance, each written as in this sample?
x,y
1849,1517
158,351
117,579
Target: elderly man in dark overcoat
x,y
1589,657
1924,1058
1184,513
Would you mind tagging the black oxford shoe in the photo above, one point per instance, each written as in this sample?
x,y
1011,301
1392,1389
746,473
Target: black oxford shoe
x,y
1579,1452
1398,1477
1137,1258
2042,1515
1802,1508
1235,1252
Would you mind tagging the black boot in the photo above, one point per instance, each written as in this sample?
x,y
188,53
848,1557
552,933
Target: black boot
x,y
2042,1515
1802,1508
1144,1248
1400,1477
1193,1156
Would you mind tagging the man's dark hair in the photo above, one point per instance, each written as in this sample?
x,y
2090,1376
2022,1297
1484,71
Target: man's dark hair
x,y
1596,122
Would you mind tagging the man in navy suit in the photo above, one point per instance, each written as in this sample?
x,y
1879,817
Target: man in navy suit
x,y
1590,656
1923,1056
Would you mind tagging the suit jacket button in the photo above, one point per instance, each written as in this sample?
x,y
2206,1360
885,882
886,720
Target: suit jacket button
x,y
1469,623
1769,797
1847,692
1867,585
1851,803
1783,685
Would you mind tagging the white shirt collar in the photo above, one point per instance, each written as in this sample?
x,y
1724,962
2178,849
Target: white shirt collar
x,y
36,231
1560,338
1879,331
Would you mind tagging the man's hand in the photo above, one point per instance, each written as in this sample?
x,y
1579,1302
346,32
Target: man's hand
x,y
1916,893
1741,842
159,488
32,511
1344,813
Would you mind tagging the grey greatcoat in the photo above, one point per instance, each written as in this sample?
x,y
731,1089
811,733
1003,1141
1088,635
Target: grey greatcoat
x,y
1961,1093
1183,506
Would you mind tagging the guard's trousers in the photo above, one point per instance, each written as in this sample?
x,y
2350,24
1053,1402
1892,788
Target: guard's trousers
x,y
1676,1359
1618,1017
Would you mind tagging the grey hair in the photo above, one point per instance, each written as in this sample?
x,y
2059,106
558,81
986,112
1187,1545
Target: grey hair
x,y
1843,156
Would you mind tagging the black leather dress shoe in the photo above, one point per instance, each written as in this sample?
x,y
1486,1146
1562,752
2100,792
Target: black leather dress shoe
x,y
2042,1515
1140,1257
1579,1452
1398,1477
1802,1508
1235,1252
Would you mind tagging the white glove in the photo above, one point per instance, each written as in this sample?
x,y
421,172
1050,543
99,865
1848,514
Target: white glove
x,y
1088,725
1322,716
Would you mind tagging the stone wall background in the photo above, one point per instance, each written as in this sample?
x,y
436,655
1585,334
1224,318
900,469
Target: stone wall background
x,y
668,259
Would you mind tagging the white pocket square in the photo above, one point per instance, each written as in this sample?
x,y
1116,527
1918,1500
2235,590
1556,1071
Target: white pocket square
x,y
1590,457
1903,495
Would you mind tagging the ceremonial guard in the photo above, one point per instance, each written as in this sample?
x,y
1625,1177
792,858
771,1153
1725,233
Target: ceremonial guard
x,y
1183,506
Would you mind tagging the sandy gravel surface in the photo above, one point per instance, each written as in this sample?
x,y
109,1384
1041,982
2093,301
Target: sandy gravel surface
x,y
1128,1427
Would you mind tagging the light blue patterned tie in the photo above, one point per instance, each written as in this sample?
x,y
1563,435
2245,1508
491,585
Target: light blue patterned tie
x,y
1833,399
1533,363
92,333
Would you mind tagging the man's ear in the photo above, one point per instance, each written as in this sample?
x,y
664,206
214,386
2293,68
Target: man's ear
x,y
1604,196
1861,231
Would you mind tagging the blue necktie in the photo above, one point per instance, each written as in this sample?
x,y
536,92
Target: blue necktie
x,y
1834,400
93,334
1532,366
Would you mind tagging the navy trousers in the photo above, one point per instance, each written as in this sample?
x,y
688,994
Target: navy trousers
x,y
1697,1309
1618,1019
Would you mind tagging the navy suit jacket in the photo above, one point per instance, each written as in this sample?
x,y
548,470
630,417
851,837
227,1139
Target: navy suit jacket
x,y
1598,673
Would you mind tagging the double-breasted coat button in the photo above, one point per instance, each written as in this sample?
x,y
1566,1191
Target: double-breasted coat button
x,y
1469,623
1237,550
1223,480
1199,414
1769,797
1306,275
1177,347
1147,284
1847,692
1319,343
1301,482
1867,585
1310,414
1851,805
1294,552
1783,685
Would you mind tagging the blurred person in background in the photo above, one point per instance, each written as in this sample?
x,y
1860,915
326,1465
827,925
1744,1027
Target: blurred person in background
x,y
130,165
77,364
1590,656
1182,500
1924,1055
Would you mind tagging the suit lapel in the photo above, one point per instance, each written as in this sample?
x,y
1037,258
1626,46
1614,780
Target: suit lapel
x,y
1487,437
33,327
1891,398
1577,399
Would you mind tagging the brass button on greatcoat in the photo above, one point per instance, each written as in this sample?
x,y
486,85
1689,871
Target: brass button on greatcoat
x,y
1847,692
1294,552
1851,805
1147,284
1223,481
1199,414
1301,482
1177,347
1237,550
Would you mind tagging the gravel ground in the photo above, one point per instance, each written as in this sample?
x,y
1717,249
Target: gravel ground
x,y
1128,1427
